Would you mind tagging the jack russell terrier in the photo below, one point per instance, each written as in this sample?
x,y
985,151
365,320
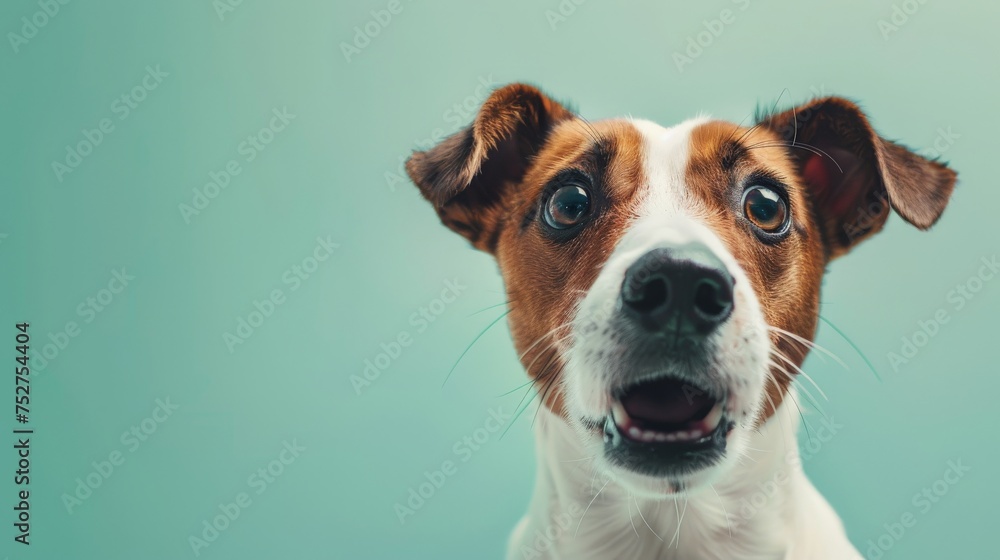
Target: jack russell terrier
x,y
663,292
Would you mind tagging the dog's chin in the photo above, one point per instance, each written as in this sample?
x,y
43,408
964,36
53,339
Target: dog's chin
x,y
666,469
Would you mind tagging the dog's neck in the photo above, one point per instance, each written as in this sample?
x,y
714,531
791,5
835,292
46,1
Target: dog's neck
x,y
765,508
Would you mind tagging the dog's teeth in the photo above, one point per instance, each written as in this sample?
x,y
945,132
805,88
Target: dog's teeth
x,y
711,422
619,415
696,432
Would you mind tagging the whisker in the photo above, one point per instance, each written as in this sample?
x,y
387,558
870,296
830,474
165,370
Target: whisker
x,y
519,409
551,386
791,378
791,395
487,309
807,343
578,460
629,507
518,414
784,336
737,128
799,370
588,507
764,144
745,455
515,389
643,517
469,347
540,339
762,121
680,519
795,129
854,346
546,375
774,408
587,129
681,523
760,450
723,504
767,395
803,417
802,145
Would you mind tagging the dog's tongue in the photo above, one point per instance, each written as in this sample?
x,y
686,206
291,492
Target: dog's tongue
x,y
666,401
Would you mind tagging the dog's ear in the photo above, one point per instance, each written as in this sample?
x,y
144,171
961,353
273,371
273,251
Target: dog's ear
x,y
465,176
854,175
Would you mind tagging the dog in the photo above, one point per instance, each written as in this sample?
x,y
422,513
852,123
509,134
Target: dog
x,y
663,289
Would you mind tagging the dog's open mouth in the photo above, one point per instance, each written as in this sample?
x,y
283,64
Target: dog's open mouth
x,y
666,411
666,427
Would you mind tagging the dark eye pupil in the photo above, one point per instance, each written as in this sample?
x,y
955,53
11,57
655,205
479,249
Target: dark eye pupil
x,y
765,208
567,207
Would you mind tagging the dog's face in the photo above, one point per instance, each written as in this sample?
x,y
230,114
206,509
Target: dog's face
x,y
663,282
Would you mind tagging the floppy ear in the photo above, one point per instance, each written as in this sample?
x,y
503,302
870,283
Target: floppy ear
x,y
854,175
465,176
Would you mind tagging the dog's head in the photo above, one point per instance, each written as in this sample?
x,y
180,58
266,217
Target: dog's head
x,y
663,282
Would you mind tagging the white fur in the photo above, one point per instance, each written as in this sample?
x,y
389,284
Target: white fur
x,y
766,508
635,516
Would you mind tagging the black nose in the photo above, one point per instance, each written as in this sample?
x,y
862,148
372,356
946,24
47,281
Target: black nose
x,y
678,291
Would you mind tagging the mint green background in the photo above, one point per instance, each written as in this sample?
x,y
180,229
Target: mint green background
x,y
325,176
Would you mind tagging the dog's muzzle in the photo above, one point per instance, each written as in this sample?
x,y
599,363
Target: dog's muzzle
x,y
671,422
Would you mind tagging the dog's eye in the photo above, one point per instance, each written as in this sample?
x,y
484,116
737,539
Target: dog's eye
x,y
567,207
765,208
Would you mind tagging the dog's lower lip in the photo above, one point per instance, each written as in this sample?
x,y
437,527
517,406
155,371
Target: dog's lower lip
x,y
690,431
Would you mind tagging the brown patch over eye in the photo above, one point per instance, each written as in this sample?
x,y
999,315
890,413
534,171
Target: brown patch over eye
x,y
766,189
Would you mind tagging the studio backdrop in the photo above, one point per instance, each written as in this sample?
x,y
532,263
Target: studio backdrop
x,y
247,335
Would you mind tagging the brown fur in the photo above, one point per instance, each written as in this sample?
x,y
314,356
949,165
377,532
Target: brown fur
x,y
852,172
786,276
467,176
486,181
